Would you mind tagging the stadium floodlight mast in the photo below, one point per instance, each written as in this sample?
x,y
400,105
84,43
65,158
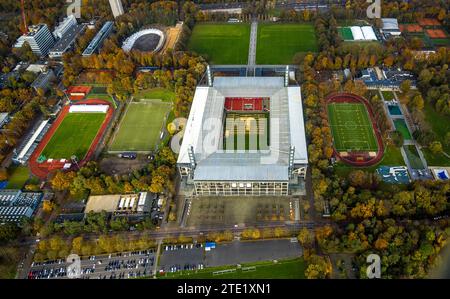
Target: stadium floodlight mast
x,y
75,160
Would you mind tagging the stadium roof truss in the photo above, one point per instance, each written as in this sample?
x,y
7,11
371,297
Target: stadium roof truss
x,y
202,146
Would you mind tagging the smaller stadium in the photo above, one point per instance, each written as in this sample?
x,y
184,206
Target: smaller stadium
x,y
357,140
147,40
73,137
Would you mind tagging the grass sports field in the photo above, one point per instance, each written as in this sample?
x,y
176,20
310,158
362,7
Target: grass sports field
x,y
351,127
221,43
278,43
141,125
156,93
252,128
284,269
74,136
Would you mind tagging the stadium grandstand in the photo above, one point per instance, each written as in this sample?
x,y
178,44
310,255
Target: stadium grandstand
x,y
23,153
88,108
153,44
210,169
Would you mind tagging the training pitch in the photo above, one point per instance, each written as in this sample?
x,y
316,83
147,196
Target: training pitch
x,y
221,43
278,43
140,128
351,127
74,136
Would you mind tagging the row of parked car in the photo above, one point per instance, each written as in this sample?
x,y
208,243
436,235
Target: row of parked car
x,y
47,273
182,246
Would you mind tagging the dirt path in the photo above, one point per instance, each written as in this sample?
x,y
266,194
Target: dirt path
x,y
172,35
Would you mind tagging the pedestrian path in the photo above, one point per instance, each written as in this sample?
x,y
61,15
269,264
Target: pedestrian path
x,y
252,45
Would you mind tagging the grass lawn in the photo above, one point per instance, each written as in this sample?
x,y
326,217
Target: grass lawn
x,y
17,177
351,127
278,43
74,136
400,125
221,43
439,123
388,95
435,159
156,93
141,125
413,157
284,269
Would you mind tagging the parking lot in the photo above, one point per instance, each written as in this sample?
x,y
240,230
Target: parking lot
x,y
117,266
181,257
175,258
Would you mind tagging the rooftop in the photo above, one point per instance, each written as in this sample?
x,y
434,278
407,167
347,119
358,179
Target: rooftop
x,y
68,38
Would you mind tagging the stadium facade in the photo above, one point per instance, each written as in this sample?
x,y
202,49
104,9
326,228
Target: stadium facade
x,y
211,167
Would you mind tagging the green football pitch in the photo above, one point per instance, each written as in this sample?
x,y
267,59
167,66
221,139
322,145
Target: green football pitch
x,y
221,43
74,136
246,131
351,127
141,125
278,43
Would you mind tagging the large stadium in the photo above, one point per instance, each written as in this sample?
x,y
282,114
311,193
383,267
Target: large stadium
x,y
245,136
147,40
73,137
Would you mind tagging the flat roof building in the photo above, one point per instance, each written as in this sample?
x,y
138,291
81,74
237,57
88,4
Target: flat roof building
x,y
97,41
277,168
120,204
390,27
39,38
66,42
116,7
4,118
43,80
67,24
16,205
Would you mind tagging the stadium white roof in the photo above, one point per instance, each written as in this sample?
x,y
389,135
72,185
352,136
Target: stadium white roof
x,y
368,33
357,33
204,131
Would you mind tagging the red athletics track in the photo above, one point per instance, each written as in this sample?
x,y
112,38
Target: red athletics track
x,y
353,98
42,170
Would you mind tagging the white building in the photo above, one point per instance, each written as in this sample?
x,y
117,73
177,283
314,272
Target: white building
x,y
39,38
214,170
65,26
368,33
116,7
390,27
